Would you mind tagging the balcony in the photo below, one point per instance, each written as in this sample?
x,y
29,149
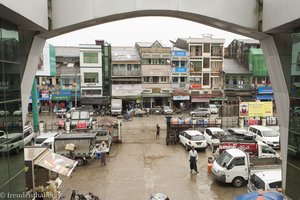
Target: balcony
x,y
239,87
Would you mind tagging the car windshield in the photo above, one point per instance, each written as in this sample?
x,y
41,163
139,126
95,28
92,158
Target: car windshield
x,y
39,140
223,158
257,182
198,138
269,134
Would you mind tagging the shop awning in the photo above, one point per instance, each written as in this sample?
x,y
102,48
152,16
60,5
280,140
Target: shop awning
x,y
200,100
265,97
94,100
218,99
56,163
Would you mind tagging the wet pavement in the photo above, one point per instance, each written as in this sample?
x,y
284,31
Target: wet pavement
x,y
142,165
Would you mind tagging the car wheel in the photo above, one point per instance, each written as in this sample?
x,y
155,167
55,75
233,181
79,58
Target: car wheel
x,y
80,161
238,182
193,115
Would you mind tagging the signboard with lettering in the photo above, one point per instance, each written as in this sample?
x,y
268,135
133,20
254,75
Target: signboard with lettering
x,y
195,86
181,98
256,109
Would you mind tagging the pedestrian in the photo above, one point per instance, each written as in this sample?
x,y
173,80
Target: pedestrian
x,y
193,157
103,150
157,131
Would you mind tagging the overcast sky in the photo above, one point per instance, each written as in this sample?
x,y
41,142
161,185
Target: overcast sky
x,y
142,29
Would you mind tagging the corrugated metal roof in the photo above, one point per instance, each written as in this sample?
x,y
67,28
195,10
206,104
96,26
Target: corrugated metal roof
x,y
205,39
231,66
248,41
65,51
124,54
149,44
156,70
64,70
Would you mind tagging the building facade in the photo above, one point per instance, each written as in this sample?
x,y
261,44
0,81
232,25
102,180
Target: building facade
x,y
206,64
156,73
12,173
126,76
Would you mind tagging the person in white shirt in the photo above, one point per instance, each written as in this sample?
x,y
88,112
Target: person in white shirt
x,y
193,157
103,150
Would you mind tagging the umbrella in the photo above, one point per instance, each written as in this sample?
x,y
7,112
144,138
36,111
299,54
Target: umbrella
x,y
261,196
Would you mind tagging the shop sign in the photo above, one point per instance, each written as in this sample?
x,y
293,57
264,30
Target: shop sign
x,y
265,90
195,86
180,69
45,94
179,53
256,109
181,98
156,90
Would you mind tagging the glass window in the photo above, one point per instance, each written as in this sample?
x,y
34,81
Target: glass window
x,y
90,77
206,62
155,79
206,79
90,57
206,48
175,79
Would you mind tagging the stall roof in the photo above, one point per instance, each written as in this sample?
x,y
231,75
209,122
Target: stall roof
x,y
76,135
45,158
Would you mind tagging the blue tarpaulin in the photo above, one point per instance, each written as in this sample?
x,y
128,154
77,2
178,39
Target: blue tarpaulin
x,y
260,195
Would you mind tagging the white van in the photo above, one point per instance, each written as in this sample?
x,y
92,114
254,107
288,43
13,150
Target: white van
x,y
28,135
213,109
265,135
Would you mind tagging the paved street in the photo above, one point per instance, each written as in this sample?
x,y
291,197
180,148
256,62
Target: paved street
x,y
143,165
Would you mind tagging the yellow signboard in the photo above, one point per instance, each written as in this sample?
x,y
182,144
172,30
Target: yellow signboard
x,y
256,109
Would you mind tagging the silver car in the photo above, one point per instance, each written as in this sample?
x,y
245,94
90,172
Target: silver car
x,y
201,112
167,110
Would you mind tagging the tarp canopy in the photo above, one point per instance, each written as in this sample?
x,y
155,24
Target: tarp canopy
x,y
56,163
260,195
106,122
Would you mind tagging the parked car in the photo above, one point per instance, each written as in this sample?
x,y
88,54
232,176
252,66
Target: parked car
x,y
266,180
200,112
213,109
191,138
167,110
265,135
12,142
240,132
213,135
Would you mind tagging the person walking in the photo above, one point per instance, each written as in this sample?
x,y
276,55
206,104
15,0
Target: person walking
x,y
157,131
193,157
103,150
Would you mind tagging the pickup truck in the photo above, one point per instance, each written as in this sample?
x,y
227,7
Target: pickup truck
x,y
252,147
84,146
235,166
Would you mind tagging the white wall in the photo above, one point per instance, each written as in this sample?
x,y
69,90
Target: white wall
x,y
34,10
96,70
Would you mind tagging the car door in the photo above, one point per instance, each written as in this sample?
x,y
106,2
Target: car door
x,y
259,135
237,168
182,138
207,135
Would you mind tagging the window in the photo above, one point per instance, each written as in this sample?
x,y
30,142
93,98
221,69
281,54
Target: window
x,y
208,131
267,149
91,92
277,184
129,67
155,79
175,79
238,161
146,79
205,79
182,63
90,77
206,62
206,48
175,63
258,183
163,79
90,57
182,79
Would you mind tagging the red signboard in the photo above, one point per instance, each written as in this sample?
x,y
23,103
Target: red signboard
x,y
195,86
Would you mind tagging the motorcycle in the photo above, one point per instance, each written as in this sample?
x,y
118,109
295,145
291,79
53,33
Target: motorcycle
x,y
76,196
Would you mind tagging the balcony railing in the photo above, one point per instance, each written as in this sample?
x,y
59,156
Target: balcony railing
x,y
239,87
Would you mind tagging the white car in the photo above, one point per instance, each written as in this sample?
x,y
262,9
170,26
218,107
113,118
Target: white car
x,y
39,140
213,134
265,135
265,180
213,109
12,142
191,138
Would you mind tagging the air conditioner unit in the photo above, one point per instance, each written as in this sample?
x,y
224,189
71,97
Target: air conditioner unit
x,y
147,91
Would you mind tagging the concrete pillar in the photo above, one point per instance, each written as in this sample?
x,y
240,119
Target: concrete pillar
x,y
37,46
277,51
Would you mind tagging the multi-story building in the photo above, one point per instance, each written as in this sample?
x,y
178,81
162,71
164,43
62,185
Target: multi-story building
x,y
205,68
126,75
91,74
180,73
67,80
156,73
238,82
